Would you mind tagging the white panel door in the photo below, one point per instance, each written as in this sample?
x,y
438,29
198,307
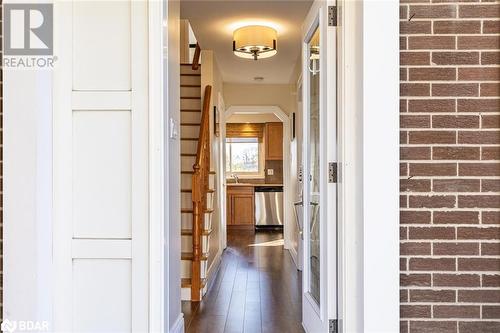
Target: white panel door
x,y
319,302
100,125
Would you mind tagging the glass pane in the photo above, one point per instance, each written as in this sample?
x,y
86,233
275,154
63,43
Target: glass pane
x,y
314,166
242,154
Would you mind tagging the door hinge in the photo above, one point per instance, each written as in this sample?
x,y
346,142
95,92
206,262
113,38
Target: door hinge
x,y
332,172
332,16
333,326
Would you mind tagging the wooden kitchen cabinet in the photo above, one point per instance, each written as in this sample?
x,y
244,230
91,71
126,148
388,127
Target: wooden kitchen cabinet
x,y
274,141
240,206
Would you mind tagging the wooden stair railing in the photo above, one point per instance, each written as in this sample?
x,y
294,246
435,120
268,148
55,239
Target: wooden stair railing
x,y
201,172
196,57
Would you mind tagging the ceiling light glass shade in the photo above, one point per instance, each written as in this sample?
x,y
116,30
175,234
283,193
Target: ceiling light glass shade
x,y
255,42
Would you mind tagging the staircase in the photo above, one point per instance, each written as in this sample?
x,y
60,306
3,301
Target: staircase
x,y
197,182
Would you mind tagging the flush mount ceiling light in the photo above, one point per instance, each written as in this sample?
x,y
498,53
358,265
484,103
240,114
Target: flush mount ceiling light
x,y
254,42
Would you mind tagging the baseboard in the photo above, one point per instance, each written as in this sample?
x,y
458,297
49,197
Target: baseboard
x,y
212,270
178,326
293,254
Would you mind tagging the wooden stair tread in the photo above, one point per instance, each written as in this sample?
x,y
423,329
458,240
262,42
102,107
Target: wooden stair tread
x,y
190,97
190,124
188,64
188,155
189,210
190,110
190,85
189,74
189,139
191,172
186,283
186,190
189,232
189,256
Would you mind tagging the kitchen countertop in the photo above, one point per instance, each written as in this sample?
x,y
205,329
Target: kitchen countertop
x,y
251,184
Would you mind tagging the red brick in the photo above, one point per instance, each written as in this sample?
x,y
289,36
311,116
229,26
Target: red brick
x,y
456,185
415,153
479,11
478,42
490,153
432,264
479,169
415,249
402,105
414,27
433,169
403,295
491,27
432,137
491,280
457,27
414,185
403,233
479,74
414,217
478,264
478,105
432,11
490,217
490,121
478,233
432,201
489,89
455,121
479,296
457,311
432,42
403,12
414,89
491,312
415,311
479,137
490,58
412,121
479,327
455,58
403,137
402,264
433,326
438,296
455,153
403,169
479,201
402,43
455,89
432,105
415,280
403,201
455,217
431,233
455,249
490,249
456,280
490,185
432,74
415,58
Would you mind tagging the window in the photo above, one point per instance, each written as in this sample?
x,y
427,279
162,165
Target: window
x,y
244,157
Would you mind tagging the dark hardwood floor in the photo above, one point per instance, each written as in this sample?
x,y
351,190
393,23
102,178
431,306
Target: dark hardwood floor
x,y
257,289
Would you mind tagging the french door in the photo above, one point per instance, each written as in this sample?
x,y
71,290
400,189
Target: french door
x,y
319,303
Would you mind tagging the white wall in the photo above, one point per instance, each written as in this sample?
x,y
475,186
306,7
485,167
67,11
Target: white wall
x,y
27,175
281,95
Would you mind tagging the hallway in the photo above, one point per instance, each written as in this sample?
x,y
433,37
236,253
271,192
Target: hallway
x,y
257,289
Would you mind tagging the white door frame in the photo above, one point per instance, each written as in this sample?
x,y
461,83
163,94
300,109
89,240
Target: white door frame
x,y
287,198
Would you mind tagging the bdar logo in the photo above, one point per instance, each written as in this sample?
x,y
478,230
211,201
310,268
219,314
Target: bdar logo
x,y
28,29
8,326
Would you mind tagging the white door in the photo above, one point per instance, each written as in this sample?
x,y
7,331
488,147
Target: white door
x,y
319,304
100,125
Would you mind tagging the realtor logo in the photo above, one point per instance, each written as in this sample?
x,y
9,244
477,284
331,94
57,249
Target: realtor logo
x,y
28,29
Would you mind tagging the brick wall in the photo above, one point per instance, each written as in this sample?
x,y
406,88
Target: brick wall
x,y
450,171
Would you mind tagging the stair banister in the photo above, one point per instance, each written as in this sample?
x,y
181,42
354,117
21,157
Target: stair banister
x,y
201,171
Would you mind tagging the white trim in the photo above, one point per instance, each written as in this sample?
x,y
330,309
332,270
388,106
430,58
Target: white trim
x,y
287,198
158,268
178,326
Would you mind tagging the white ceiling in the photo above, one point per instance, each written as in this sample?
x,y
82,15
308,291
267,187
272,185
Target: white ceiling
x,y
213,23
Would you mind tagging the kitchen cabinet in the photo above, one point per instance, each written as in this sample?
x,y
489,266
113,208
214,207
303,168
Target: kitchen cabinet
x,y
240,206
274,141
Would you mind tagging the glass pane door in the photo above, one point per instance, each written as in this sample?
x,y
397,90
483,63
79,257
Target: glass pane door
x,y
314,166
